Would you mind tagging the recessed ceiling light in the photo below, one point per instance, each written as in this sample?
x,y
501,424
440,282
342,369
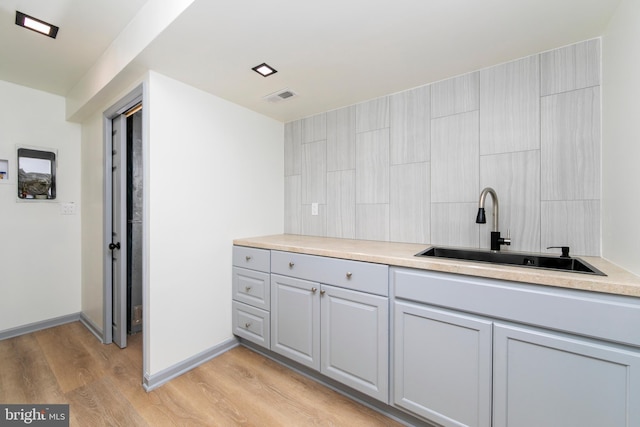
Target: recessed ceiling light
x,y
36,25
264,70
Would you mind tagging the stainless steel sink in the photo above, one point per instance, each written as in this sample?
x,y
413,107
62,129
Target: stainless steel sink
x,y
574,265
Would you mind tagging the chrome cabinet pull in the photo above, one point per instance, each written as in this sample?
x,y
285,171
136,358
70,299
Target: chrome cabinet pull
x,y
247,325
313,290
349,275
291,264
322,292
248,258
247,288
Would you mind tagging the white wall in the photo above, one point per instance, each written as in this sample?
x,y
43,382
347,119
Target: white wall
x,y
621,138
215,174
40,248
92,219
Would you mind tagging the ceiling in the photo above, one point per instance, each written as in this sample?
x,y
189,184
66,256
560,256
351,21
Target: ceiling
x,y
332,53
87,28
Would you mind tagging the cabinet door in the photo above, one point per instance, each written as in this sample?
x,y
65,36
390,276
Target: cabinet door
x,y
547,379
354,340
442,365
295,320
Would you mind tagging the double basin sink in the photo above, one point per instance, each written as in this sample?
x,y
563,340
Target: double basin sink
x,y
557,263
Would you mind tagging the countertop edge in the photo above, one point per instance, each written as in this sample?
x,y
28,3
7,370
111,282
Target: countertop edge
x,y
618,281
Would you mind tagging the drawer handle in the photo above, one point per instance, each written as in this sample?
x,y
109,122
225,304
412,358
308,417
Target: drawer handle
x,y
349,275
248,258
247,325
313,290
291,264
322,292
247,288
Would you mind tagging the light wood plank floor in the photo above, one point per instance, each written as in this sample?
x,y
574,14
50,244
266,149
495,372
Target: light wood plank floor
x,y
102,384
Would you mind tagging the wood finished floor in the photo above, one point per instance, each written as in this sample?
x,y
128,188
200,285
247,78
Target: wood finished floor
x,y
102,384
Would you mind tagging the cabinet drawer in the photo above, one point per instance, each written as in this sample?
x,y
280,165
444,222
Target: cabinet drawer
x,y
356,275
251,323
609,317
252,287
253,258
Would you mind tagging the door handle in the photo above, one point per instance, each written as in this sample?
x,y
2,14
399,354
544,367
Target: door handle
x,y
113,246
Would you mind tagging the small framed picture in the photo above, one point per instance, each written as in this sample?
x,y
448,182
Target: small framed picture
x,y
36,174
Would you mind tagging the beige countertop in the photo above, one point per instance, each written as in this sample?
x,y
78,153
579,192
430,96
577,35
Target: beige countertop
x,y
618,281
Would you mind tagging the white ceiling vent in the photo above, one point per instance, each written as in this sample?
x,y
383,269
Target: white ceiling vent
x,y
280,95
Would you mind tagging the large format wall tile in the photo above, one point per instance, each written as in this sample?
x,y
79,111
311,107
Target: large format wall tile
x,y
454,158
372,167
372,115
569,68
292,205
410,166
292,144
372,222
510,107
314,128
570,150
456,95
410,126
410,201
341,139
341,204
516,179
314,225
454,224
314,172
571,223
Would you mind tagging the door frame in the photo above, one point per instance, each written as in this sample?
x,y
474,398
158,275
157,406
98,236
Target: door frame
x,y
128,101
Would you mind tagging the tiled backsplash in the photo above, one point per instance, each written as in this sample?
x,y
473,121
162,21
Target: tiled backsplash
x,y
409,167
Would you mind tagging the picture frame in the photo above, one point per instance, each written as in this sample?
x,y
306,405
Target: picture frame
x,y
36,177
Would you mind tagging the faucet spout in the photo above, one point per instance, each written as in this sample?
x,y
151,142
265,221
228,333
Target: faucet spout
x,y
496,239
481,218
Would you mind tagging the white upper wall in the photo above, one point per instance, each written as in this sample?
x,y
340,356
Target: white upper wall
x,y
621,138
215,173
39,261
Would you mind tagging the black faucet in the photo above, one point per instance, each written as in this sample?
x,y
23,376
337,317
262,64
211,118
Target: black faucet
x,y
496,240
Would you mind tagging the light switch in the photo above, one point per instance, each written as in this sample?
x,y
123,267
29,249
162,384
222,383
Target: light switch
x,y
67,208
314,209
